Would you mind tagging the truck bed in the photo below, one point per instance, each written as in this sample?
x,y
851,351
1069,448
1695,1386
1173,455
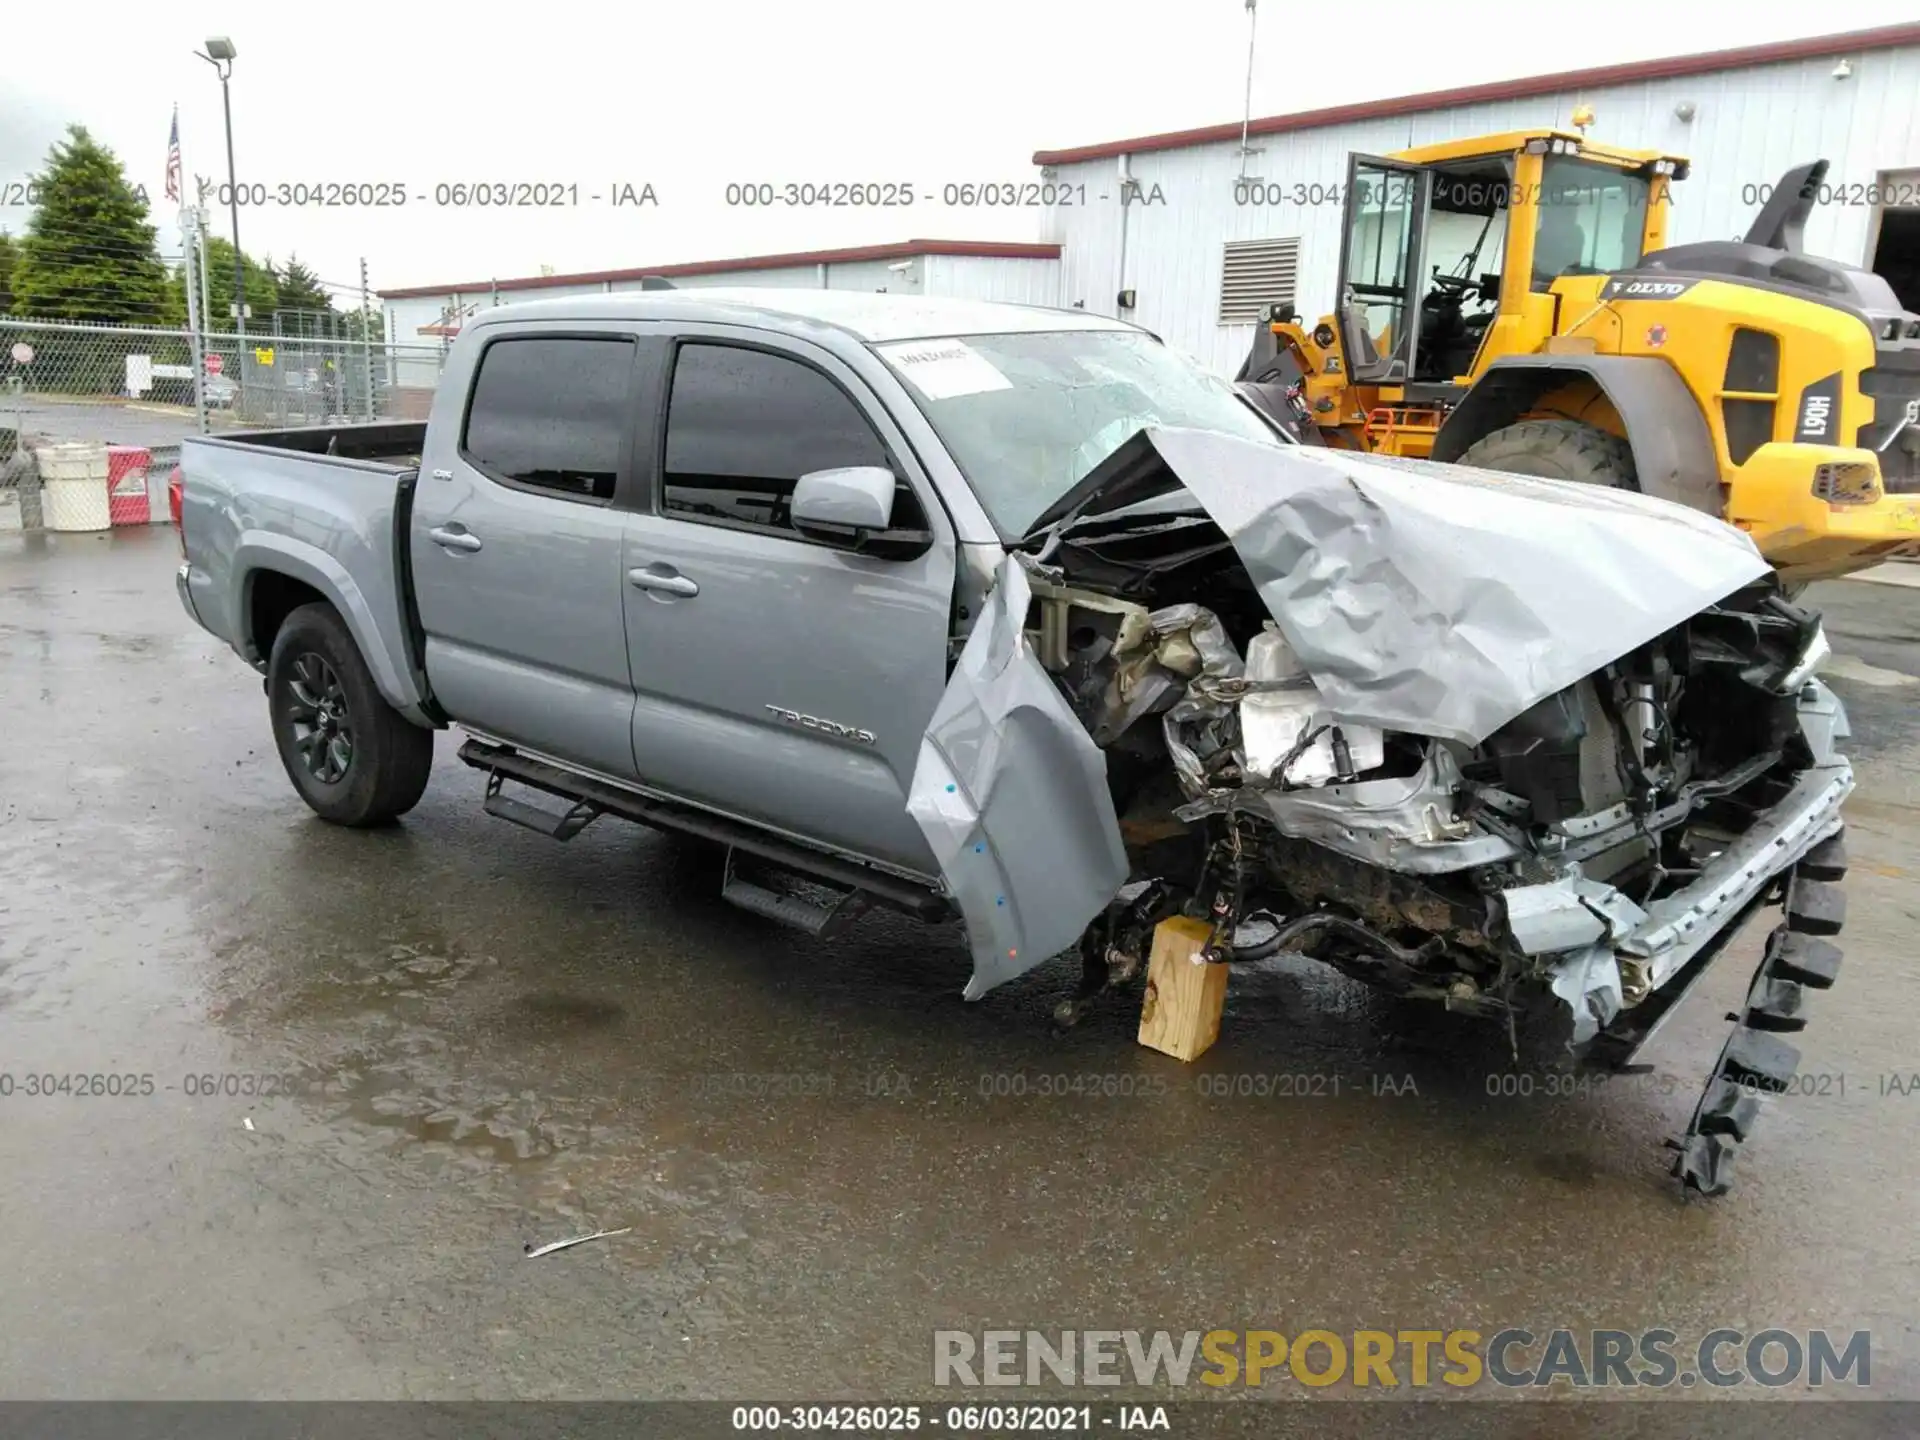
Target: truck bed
x,y
395,443
327,507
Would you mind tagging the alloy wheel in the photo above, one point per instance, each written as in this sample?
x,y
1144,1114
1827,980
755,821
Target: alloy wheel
x,y
322,726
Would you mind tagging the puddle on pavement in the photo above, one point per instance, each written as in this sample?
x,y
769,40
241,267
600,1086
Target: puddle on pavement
x,y
508,1128
334,982
439,1066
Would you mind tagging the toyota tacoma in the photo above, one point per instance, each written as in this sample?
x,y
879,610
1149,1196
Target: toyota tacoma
x,y
1015,616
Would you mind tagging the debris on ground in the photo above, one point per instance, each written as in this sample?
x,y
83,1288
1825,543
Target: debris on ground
x,y
548,1249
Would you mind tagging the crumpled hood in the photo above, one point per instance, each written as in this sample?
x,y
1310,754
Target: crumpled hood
x,y
1436,599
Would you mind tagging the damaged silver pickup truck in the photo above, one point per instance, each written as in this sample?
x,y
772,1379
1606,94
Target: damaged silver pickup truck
x,y
1013,615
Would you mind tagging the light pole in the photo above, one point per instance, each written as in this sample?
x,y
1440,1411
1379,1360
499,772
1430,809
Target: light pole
x,y
219,54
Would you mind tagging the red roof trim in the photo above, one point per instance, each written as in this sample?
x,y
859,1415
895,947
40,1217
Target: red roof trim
x,y
1886,37
899,250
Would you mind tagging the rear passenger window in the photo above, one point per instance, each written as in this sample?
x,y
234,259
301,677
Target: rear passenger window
x,y
744,425
552,413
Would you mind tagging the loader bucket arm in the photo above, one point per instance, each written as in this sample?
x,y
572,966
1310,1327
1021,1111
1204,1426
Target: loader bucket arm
x,y
1260,355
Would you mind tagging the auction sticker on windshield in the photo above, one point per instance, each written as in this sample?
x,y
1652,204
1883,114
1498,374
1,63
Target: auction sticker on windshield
x,y
942,369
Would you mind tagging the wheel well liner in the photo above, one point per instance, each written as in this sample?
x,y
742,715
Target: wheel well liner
x,y
284,572
1673,454
271,597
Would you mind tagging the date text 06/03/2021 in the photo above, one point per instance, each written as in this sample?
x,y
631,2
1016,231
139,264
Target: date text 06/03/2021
x,y
519,194
988,1419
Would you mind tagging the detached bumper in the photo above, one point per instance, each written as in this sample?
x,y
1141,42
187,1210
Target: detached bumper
x,y
1608,956
1817,511
1656,955
1613,951
1680,924
1622,969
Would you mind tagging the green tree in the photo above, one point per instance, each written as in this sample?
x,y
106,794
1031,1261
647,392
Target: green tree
x,y
88,253
9,257
300,288
263,291
376,325
173,304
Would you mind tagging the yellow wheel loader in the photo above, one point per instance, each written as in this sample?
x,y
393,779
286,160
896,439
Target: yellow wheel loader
x,y
1510,302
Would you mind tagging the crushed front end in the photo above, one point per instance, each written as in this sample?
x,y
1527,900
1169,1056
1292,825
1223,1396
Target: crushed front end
x,y
1586,839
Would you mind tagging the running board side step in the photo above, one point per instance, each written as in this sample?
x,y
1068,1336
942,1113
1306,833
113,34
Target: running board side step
x,y
762,895
502,762
545,822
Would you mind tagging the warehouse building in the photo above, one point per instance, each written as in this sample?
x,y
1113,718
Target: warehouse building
x,y
1192,233
977,269
422,320
1199,262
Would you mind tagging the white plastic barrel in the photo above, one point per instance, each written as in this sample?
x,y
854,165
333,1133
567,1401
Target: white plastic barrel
x,y
73,479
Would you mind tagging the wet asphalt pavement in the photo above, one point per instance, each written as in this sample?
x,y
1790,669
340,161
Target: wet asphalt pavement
x,y
461,1037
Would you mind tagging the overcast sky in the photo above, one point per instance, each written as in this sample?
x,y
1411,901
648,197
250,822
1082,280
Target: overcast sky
x,y
691,96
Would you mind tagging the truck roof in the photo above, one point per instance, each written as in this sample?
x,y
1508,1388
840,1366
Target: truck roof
x,y
868,316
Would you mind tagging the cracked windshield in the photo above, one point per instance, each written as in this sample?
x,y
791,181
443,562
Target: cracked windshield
x,y
1026,416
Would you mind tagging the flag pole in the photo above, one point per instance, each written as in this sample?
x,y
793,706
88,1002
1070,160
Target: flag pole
x,y
189,263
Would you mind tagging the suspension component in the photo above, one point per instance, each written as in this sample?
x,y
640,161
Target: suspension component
x,y
1113,950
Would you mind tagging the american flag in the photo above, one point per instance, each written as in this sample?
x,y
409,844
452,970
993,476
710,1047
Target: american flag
x,y
173,158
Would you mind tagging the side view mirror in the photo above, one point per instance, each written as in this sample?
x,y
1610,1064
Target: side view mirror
x,y
853,499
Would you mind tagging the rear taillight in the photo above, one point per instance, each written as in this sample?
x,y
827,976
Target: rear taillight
x,y
176,499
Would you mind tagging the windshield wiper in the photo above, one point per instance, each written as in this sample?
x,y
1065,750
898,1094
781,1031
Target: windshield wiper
x,y
1131,520
1050,537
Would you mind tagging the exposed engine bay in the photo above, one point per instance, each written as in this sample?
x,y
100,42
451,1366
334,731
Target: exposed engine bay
x,y
1505,744
1390,855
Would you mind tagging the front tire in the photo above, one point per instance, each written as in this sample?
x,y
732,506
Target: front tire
x,y
354,759
1558,450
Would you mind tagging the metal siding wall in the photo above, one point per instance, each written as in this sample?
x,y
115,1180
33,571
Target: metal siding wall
x,y
1025,282
874,276
1088,236
981,277
405,317
1749,127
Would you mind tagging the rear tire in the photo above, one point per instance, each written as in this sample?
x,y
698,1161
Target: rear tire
x,y
354,759
1559,450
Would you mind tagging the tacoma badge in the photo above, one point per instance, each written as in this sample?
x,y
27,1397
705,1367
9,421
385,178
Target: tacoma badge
x,y
827,727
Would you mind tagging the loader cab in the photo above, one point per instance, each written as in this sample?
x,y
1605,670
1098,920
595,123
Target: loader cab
x,y
1450,252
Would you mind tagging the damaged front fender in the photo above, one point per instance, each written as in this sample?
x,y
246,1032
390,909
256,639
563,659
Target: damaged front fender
x,y
1011,793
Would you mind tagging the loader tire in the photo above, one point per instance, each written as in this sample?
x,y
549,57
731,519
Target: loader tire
x,y
355,760
1558,450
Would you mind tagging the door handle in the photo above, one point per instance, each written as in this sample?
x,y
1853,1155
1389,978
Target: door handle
x,y
448,538
665,581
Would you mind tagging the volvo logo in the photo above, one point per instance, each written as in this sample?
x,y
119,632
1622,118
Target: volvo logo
x,y
825,727
1618,289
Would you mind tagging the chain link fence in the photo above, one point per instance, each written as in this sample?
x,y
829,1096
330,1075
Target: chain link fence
x,y
130,385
